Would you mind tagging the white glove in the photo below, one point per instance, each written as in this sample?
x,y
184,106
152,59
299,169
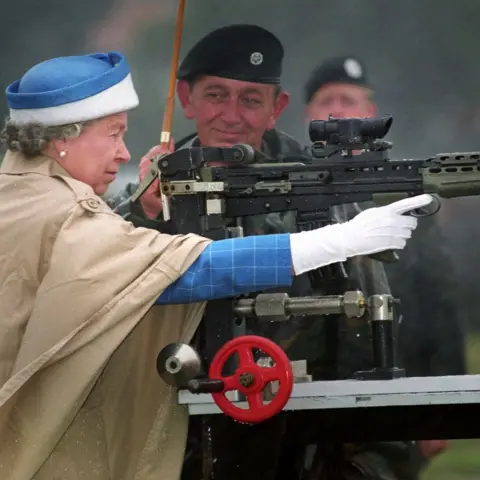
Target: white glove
x,y
371,231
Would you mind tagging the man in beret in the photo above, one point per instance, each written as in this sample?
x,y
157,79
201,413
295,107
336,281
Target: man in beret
x,y
229,83
430,336
339,87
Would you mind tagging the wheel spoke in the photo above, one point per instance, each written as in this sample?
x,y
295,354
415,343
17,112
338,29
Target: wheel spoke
x,y
255,401
245,356
271,374
230,383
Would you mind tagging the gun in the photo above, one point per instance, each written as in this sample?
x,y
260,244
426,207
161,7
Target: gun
x,y
329,174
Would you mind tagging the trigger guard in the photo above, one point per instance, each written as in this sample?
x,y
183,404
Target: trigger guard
x,y
431,209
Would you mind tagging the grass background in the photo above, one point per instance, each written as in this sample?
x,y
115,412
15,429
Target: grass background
x,y
462,460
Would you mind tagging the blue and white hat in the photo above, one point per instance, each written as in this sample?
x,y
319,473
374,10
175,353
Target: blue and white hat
x,y
72,89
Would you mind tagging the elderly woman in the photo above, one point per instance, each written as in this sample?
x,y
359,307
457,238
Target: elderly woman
x,y
88,300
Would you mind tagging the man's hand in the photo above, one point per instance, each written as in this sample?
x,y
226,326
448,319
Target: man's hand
x,y
150,200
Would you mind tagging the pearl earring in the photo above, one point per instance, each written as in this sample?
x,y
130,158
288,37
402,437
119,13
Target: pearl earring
x,y
63,154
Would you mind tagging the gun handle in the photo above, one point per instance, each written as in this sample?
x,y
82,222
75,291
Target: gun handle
x,y
388,256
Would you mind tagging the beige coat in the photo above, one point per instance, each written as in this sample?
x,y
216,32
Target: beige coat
x,y
79,394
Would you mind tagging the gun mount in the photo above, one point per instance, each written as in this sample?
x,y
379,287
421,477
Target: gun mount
x,y
174,361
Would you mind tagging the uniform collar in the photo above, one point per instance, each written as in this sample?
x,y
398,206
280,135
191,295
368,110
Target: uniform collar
x,y
15,163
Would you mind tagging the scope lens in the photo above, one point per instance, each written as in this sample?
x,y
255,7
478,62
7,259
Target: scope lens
x,y
375,127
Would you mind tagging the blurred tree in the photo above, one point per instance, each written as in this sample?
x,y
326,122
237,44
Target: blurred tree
x,y
34,31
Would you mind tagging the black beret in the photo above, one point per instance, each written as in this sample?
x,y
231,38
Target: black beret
x,y
241,52
346,69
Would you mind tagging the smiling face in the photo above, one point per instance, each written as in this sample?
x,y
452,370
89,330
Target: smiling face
x,y
229,112
95,156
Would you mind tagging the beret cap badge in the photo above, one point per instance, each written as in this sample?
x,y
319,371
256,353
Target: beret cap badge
x,y
256,58
353,68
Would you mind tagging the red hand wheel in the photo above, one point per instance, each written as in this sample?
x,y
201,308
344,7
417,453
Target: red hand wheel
x,y
251,379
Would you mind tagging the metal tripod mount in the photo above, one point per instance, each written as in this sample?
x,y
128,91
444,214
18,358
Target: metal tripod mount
x,y
278,307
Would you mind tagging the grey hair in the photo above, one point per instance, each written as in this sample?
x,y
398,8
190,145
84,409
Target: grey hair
x,y
31,139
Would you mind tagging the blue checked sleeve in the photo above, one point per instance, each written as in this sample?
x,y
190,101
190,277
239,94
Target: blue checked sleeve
x,y
227,268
